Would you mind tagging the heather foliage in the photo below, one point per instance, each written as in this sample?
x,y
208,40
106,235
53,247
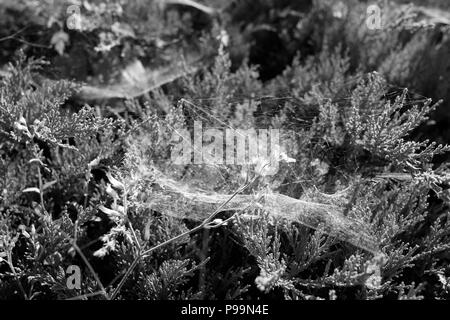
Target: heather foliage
x,y
84,181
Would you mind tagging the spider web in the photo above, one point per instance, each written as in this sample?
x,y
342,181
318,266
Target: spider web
x,y
180,200
185,200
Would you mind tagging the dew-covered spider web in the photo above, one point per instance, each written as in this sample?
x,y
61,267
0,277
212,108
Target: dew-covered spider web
x,y
184,198
170,197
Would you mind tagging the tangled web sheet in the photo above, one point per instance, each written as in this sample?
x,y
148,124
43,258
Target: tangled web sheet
x,y
170,196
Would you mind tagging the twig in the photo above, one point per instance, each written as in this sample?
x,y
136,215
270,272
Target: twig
x,y
125,277
41,189
87,295
12,36
16,277
91,269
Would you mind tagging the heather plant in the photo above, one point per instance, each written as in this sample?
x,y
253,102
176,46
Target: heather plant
x,y
38,186
361,205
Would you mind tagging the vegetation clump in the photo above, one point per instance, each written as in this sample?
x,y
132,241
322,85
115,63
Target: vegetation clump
x,y
89,116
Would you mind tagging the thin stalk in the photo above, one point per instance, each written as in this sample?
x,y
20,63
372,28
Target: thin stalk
x,y
41,189
91,269
16,277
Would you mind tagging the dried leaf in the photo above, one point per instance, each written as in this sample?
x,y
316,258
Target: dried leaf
x,y
48,184
27,190
59,41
